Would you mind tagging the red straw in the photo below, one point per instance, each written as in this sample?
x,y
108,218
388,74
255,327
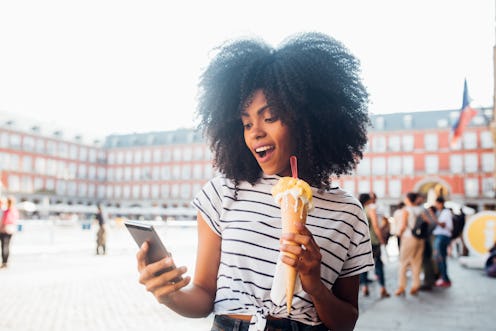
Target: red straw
x,y
294,166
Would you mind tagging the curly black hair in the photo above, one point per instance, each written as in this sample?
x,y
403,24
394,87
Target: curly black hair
x,y
312,83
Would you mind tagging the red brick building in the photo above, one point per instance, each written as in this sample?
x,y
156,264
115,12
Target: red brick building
x,y
157,173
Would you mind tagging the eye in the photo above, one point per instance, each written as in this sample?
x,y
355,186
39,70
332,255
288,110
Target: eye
x,y
247,126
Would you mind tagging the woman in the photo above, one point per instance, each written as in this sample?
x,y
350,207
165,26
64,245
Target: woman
x,y
260,105
376,239
8,225
411,249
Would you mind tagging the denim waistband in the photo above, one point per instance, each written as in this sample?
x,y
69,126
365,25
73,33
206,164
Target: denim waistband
x,y
226,323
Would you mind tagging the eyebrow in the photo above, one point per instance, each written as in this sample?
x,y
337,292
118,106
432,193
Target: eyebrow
x,y
261,110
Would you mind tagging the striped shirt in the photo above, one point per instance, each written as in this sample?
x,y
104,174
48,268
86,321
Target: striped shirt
x,y
250,228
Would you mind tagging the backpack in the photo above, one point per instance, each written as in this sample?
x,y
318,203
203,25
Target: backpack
x,y
421,228
458,224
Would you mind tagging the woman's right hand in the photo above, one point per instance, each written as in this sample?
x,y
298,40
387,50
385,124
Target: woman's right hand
x,y
161,285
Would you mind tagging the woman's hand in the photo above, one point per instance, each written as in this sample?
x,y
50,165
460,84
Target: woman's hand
x,y
305,256
161,283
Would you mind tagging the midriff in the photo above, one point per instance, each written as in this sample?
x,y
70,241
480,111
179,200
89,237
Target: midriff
x,y
248,317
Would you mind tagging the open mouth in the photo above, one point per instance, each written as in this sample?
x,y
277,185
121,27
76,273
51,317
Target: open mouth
x,y
262,151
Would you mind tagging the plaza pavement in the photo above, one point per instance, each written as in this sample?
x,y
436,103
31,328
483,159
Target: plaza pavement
x,y
55,282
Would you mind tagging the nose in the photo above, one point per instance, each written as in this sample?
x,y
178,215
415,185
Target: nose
x,y
257,130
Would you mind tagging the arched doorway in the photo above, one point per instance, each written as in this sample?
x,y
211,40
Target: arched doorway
x,y
432,188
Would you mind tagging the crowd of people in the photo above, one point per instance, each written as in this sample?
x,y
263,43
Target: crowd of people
x,y
422,255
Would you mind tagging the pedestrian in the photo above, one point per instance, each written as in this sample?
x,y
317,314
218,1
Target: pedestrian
x,y
442,238
429,266
101,235
376,239
411,248
8,227
397,220
260,105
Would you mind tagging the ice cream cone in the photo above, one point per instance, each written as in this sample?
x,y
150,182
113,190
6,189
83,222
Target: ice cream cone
x,y
294,197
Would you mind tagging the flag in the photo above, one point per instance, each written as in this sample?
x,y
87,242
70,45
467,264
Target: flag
x,y
466,115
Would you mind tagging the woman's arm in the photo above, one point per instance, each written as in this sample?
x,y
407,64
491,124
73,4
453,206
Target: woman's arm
x,y
337,309
404,222
196,300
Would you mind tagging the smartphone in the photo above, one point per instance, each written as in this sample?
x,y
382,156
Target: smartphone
x,y
156,249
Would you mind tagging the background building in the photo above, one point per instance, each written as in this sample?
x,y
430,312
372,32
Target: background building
x,y
156,174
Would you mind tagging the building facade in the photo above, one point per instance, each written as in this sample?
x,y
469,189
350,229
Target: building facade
x,y
156,174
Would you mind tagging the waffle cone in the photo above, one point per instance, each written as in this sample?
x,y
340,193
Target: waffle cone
x,y
292,211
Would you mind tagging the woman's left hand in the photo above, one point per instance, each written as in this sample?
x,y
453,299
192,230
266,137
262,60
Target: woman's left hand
x,y
304,255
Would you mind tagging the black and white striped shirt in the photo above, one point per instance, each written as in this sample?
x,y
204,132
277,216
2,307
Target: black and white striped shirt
x,y
250,228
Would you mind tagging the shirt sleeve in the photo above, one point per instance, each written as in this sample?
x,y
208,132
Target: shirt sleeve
x,y
208,202
359,257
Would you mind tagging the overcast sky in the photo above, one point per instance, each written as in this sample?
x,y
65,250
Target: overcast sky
x,y
100,67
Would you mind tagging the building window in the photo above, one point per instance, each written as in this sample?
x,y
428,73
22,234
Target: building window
x,y
379,123
176,172
471,165
4,140
379,188
138,156
27,164
83,189
431,142
394,165
471,187
470,140
208,171
83,154
185,191
408,165
175,191
27,184
407,121
364,186
198,154
15,140
488,187
101,191
165,191
28,143
394,188
157,155
110,192
394,143
197,171
177,154
488,162
431,164
363,168
456,164
155,191
128,173
91,190
126,191
147,156
145,191
136,173
407,143
73,151
92,155
129,157
486,139
186,172
378,166
118,191
187,154
379,144
166,172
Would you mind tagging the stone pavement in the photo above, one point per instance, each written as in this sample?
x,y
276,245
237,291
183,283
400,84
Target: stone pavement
x,y
56,282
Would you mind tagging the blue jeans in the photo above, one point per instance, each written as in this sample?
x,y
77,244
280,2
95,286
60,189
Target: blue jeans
x,y
379,267
440,253
226,323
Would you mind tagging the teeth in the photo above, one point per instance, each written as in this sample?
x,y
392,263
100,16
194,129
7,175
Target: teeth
x,y
263,149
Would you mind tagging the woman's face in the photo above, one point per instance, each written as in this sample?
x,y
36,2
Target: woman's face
x,y
268,139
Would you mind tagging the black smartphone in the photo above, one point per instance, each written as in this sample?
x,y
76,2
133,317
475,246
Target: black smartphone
x,y
156,249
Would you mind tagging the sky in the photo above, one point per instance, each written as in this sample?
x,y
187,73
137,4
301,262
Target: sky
x,y
101,67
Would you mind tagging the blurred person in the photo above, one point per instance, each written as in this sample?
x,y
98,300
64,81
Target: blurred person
x,y
429,265
8,224
376,240
442,238
411,248
101,235
397,220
